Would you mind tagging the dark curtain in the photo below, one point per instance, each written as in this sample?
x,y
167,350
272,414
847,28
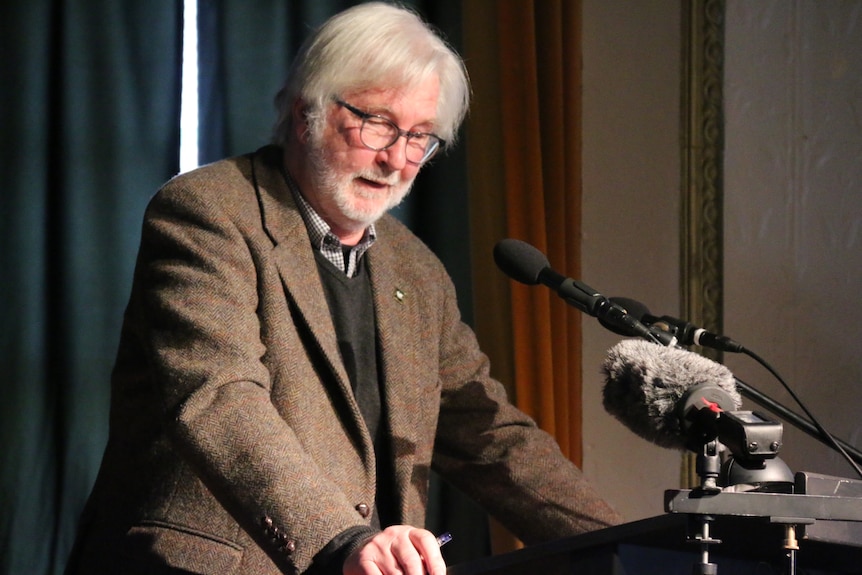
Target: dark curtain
x,y
89,97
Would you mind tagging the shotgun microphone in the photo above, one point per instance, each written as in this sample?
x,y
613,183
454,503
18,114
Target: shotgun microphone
x,y
667,395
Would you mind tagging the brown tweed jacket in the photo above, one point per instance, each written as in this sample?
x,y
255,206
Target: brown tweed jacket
x,y
236,445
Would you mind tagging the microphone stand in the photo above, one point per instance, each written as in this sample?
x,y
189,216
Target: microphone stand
x,y
797,420
752,442
755,492
708,467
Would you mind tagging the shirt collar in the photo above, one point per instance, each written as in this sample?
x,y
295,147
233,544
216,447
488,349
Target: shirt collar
x,y
324,240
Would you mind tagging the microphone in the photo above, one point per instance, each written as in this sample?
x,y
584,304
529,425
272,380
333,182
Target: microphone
x,y
686,333
634,308
667,395
527,265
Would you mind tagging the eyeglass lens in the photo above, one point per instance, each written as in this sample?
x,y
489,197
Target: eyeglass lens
x,y
379,133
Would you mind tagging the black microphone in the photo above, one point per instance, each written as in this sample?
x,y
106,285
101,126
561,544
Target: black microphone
x,y
667,395
526,264
686,333
635,309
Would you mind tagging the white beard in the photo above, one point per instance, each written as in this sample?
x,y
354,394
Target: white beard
x,y
356,207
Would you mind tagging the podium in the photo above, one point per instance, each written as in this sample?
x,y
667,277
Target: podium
x,y
658,546
751,531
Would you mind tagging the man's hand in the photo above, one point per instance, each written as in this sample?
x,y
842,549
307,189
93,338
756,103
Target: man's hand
x,y
397,550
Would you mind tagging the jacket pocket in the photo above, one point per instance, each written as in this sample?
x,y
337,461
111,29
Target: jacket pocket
x,y
177,547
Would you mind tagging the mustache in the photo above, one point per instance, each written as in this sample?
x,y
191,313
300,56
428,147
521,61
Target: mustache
x,y
392,179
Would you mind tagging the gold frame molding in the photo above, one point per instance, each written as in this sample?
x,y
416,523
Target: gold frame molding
x,y
702,238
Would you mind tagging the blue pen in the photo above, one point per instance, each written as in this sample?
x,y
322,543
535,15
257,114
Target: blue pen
x,y
444,538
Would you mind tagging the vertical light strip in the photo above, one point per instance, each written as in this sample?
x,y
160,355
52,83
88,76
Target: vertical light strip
x,y
189,103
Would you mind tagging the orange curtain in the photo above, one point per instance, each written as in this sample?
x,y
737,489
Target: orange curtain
x,y
524,148
524,153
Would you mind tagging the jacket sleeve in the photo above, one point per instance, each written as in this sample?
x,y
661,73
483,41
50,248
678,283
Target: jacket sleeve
x,y
498,456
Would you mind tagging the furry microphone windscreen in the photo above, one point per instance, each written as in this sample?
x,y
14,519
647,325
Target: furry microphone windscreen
x,y
645,382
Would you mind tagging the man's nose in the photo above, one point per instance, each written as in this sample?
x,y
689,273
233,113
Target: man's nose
x,y
395,156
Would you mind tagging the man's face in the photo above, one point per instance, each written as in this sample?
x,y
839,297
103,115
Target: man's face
x,y
353,185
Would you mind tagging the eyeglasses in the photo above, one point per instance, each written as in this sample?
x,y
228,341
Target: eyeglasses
x,y
379,133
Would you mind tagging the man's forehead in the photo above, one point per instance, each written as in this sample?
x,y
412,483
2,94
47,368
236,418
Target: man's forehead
x,y
383,94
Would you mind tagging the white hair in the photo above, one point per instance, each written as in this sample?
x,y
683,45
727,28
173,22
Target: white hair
x,y
374,45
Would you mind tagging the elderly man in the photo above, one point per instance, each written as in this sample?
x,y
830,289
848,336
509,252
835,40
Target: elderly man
x,y
292,362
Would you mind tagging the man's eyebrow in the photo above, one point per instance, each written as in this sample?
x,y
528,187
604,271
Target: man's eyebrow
x,y
388,113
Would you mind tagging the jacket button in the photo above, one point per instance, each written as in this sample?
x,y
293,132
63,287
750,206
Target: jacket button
x,y
363,510
289,547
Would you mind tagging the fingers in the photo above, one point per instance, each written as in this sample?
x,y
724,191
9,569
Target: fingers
x,y
398,550
429,549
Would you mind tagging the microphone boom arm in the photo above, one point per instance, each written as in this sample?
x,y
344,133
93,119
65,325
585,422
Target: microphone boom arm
x,y
794,418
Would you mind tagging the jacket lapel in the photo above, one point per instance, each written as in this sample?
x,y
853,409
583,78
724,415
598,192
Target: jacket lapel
x,y
298,268
394,302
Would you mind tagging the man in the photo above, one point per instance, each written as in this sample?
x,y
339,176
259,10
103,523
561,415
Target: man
x,y
292,362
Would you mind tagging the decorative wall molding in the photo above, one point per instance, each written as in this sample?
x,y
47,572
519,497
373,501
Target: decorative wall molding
x,y
701,242
702,161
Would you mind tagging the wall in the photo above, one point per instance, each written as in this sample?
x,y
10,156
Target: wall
x,y
793,216
631,209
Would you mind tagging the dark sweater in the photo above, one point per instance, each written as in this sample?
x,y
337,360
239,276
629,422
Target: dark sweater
x,y
352,308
